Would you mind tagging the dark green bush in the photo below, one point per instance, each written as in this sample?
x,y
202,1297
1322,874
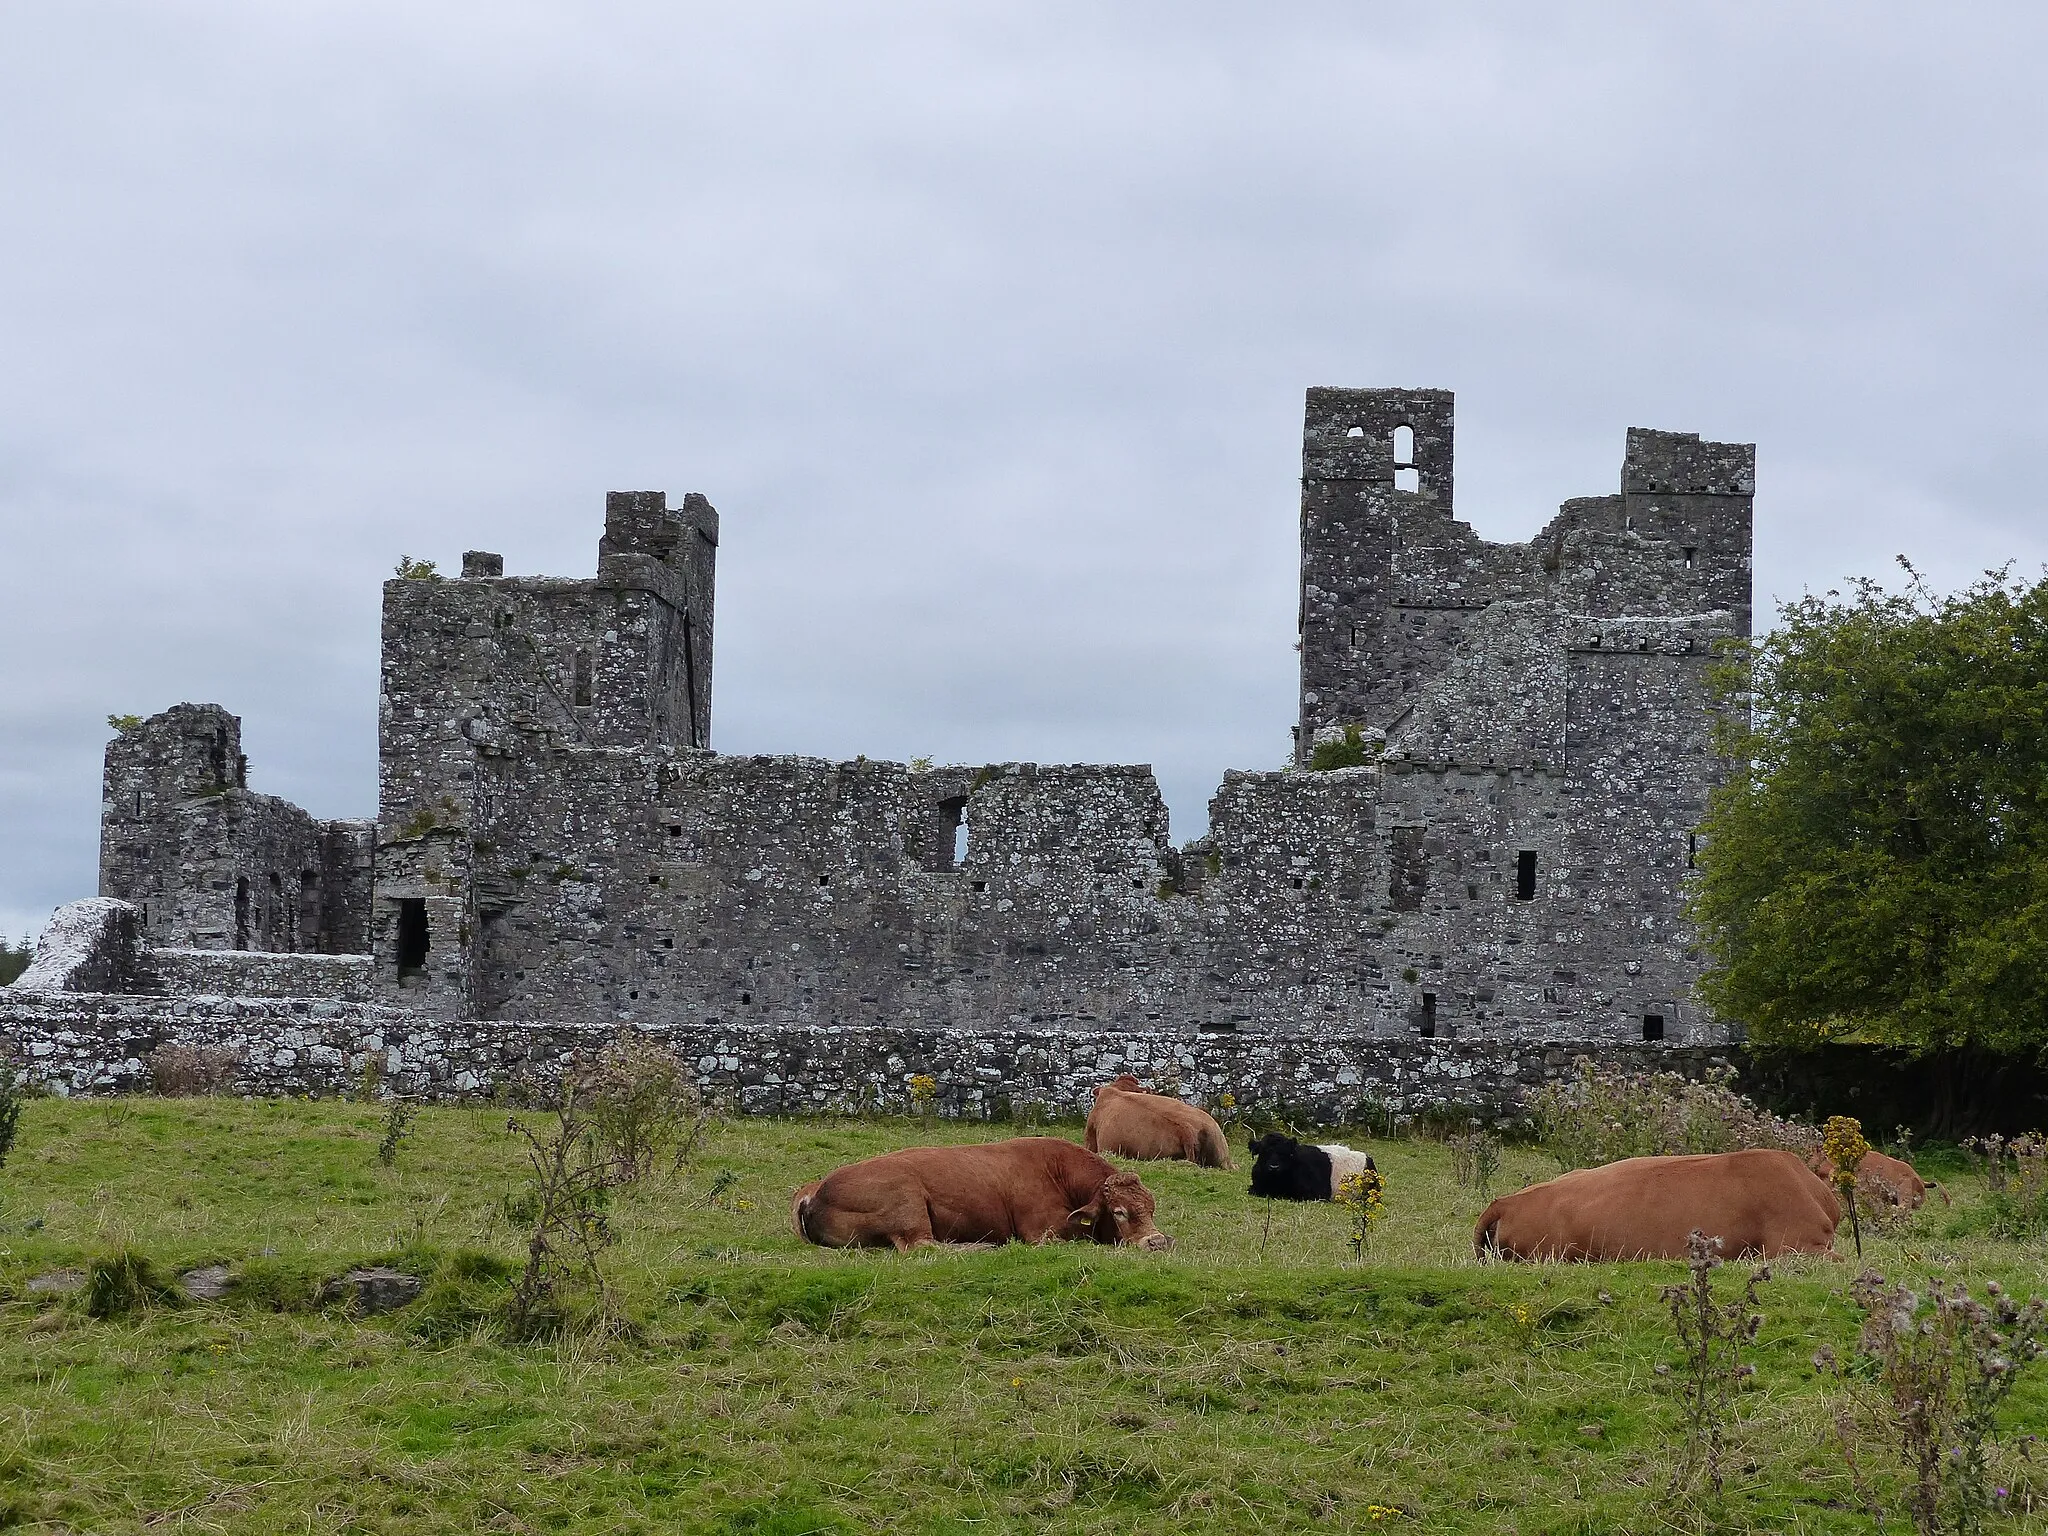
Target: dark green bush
x,y
1351,750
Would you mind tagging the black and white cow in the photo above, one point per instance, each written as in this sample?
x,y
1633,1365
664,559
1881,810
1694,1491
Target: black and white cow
x,y
1285,1169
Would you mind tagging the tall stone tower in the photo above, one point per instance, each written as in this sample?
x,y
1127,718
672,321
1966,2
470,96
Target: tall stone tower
x,y
496,666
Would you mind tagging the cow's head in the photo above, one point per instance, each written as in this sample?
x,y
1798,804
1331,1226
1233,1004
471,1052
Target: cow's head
x,y
1273,1160
1124,1083
1121,1212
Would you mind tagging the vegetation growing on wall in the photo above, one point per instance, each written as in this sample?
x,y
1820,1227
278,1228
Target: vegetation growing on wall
x,y
1880,870
1353,749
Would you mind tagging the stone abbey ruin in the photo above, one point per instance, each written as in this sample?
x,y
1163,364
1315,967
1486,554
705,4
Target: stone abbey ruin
x,y
557,843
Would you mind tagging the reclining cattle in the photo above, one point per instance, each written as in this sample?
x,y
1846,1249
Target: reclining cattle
x,y
1036,1189
1285,1169
1882,1180
1761,1202
1130,1122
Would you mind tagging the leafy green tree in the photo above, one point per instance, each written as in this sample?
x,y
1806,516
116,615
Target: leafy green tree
x,y
14,959
1879,870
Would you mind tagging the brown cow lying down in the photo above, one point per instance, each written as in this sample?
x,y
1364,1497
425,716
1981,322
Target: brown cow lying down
x,y
1033,1188
1882,1180
1758,1202
1131,1122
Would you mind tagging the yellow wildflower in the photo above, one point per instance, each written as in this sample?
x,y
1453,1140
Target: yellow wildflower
x,y
1841,1139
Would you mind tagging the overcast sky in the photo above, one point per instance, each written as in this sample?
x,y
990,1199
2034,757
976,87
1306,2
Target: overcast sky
x,y
985,327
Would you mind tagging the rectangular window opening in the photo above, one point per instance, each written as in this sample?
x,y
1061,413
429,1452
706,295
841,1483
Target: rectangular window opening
x,y
412,934
584,678
1653,1026
1429,1015
309,912
1525,875
949,841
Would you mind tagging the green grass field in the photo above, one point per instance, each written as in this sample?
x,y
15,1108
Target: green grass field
x,y
771,1387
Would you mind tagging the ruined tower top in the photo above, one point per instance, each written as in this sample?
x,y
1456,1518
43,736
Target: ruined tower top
x,y
1392,584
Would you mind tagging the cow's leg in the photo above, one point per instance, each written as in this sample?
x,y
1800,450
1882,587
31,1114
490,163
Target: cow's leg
x,y
912,1228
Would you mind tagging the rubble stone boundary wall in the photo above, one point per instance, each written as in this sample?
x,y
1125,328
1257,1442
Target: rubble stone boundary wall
x,y
97,1044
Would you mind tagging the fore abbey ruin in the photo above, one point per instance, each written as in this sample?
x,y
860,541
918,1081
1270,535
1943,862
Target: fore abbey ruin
x,y
558,842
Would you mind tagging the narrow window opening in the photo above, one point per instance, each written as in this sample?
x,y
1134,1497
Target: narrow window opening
x,y
746,997
583,678
1688,558
1429,1015
310,926
1692,850
275,914
1525,875
138,805
241,914
1653,1026
949,841
413,942
1628,523
220,756
1355,432
674,830
1404,445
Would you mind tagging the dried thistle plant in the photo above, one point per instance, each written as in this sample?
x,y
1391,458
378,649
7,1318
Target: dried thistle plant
x,y
1602,1114
1935,1370
1711,1335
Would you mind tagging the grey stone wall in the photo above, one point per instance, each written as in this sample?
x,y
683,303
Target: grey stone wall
x,y
211,865
556,843
489,666
227,973
101,1044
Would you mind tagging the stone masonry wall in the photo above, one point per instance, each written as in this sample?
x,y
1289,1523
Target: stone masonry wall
x,y
489,666
555,842
101,1044
209,864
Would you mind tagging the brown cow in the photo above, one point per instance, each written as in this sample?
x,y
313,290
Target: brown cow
x,y
1762,1201
1033,1188
1882,1180
1131,1122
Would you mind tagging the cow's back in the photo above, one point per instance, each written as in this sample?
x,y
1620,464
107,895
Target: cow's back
x,y
1757,1202
1150,1125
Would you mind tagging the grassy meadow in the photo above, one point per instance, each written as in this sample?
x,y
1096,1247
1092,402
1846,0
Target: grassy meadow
x,y
1255,1380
